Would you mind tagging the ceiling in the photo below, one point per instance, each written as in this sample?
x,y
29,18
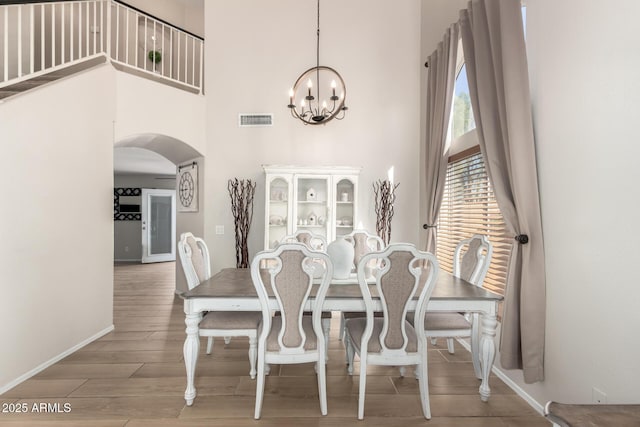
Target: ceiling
x,y
134,160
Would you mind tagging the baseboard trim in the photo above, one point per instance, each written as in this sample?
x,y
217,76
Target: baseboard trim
x,y
509,382
45,365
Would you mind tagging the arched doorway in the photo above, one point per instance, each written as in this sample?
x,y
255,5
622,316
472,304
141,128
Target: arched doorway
x,y
151,161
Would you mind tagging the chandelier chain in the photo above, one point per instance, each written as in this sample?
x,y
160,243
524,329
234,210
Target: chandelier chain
x,y
318,55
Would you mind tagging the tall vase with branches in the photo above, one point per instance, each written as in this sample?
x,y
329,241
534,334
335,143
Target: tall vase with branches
x,y
241,193
385,196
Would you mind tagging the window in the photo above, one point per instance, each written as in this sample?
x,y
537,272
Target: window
x,y
469,207
462,115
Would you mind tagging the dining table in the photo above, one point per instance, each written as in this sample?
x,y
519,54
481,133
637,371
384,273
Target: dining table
x,y
232,289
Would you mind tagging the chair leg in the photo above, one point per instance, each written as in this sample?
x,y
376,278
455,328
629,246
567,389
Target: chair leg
x,y
434,341
423,382
209,345
227,340
342,330
363,386
403,370
350,354
450,346
322,386
259,386
326,329
253,351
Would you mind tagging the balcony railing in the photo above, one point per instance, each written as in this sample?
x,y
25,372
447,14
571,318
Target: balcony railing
x,y
38,38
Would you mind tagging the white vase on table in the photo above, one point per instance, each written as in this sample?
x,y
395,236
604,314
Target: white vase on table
x,y
341,254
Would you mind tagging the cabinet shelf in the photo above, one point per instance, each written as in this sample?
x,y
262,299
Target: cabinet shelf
x,y
312,202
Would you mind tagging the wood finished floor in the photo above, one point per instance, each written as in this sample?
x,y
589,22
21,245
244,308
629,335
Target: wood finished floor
x,y
135,376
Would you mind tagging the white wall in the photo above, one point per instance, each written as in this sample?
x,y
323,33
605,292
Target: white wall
x,y
375,45
56,218
584,61
148,107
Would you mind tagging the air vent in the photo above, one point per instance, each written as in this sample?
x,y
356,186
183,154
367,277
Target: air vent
x,y
252,120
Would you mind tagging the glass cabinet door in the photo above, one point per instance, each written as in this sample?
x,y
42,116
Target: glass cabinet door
x,y
277,215
311,210
345,197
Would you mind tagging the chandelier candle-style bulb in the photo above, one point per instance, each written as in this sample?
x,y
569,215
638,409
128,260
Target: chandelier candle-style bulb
x,y
317,110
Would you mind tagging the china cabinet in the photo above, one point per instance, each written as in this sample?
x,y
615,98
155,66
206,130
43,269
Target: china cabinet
x,y
322,200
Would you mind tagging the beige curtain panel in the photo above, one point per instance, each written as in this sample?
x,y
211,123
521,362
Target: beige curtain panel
x,y
442,76
495,57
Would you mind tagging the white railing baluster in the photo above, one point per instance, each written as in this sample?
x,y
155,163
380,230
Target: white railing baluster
x,y
164,54
86,27
63,32
80,55
6,44
126,49
137,44
179,56
43,65
95,27
117,31
108,25
154,40
71,31
32,42
146,36
19,7
193,66
171,52
53,34
201,66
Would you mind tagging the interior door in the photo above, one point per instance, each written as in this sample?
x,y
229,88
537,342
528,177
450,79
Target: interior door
x,y
158,225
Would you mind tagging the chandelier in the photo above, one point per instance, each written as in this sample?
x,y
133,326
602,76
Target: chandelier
x,y
306,100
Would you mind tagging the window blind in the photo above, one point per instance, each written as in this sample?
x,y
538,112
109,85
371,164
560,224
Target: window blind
x,y
469,207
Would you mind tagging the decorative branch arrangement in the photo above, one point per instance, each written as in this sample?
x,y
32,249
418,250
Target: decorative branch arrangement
x,y
241,192
385,196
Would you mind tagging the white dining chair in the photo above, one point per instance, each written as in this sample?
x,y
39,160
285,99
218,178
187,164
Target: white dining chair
x,y
391,340
315,242
291,337
194,257
363,242
471,261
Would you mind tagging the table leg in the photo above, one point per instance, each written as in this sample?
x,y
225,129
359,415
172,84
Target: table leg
x,y
487,352
475,344
191,350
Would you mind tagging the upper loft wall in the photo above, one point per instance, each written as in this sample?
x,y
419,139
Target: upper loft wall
x,y
186,14
147,107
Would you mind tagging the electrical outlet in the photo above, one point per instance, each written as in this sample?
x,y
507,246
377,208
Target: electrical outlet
x,y
219,229
598,396
126,248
